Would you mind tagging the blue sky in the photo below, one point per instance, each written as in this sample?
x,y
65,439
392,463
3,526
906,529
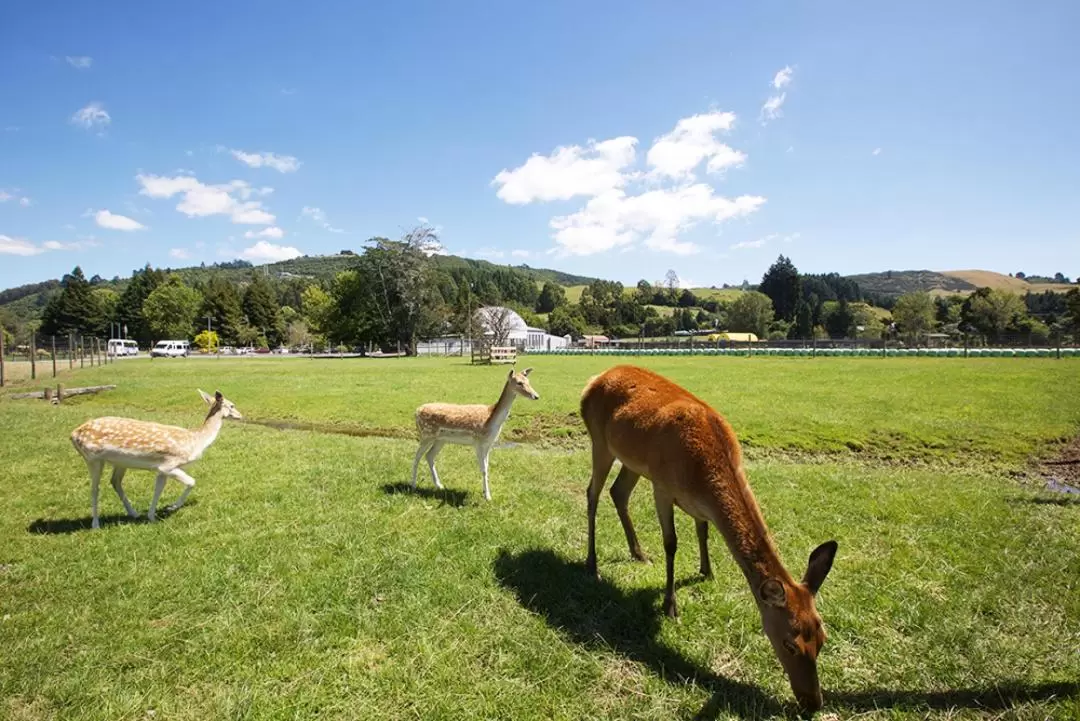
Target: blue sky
x,y
610,139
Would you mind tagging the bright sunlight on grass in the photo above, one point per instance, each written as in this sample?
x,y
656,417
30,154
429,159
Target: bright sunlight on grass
x,y
303,579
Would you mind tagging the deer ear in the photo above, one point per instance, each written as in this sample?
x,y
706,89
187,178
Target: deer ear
x,y
819,566
510,374
772,593
218,396
205,396
526,372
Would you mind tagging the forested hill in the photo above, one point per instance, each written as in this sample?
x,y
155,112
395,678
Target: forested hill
x,y
26,302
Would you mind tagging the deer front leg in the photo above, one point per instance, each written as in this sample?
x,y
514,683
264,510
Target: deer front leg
x,y
620,494
703,547
188,482
665,511
482,453
117,484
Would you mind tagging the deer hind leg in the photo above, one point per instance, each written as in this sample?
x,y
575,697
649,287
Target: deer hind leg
x,y
159,486
95,480
118,486
482,454
188,482
602,460
665,511
432,454
703,546
425,443
621,490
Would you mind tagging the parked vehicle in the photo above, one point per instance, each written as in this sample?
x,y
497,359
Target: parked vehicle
x,y
117,347
171,349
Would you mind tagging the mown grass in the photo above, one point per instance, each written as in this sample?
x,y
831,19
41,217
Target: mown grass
x,y
303,581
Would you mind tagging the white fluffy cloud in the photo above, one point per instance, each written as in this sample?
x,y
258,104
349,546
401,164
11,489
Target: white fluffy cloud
x,y
280,163
269,253
18,246
92,116
656,216
79,62
568,172
179,253
678,154
272,232
317,215
627,207
782,78
771,109
23,247
520,253
199,199
877,151
112,221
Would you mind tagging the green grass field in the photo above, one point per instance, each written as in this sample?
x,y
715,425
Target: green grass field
x,y
303,580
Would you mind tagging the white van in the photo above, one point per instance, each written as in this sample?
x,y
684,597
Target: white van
x,y
171,349
118,348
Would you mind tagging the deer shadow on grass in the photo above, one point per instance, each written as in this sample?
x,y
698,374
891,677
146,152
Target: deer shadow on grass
x,y
597,614
61,526
447,496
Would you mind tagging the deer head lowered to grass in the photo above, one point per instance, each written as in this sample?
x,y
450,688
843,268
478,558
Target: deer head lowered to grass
x,y
474,425
128,443
659,430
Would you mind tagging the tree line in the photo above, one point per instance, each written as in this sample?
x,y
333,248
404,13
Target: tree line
x,y
397,292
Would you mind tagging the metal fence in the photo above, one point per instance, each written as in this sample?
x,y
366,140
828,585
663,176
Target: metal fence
x,y
43,356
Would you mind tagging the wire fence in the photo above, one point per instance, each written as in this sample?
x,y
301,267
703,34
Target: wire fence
x,y
34,356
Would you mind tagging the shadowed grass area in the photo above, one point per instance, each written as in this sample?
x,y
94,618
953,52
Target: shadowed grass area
x,y
304,578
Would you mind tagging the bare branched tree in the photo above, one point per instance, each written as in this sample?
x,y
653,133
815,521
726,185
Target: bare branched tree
x,y
498,322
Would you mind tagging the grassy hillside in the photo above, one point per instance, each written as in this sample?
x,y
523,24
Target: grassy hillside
x,y
990,279
899,282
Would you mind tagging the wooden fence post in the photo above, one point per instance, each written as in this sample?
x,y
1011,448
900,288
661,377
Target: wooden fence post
x,y
71,358
82,352
1,356
53,356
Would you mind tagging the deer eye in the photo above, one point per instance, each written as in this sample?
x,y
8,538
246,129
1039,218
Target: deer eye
x,y
791,647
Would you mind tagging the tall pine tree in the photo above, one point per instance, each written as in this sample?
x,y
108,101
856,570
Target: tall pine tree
x,y
74,309
783,285
262,310
129,308
222,303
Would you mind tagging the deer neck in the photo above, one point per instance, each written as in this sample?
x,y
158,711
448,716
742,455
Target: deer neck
x,y
501,410
743,527
207,433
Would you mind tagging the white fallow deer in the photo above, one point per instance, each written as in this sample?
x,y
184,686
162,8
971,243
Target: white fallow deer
x,y
467,425
690,453
127,443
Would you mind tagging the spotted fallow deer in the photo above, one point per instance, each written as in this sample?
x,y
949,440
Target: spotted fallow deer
x,y
476,425
127,443
659,430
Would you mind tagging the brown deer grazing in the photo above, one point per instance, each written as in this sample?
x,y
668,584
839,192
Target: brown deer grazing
x,y
659,430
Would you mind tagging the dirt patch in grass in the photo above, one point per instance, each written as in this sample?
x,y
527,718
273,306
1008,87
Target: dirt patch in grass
x,y
1061,471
